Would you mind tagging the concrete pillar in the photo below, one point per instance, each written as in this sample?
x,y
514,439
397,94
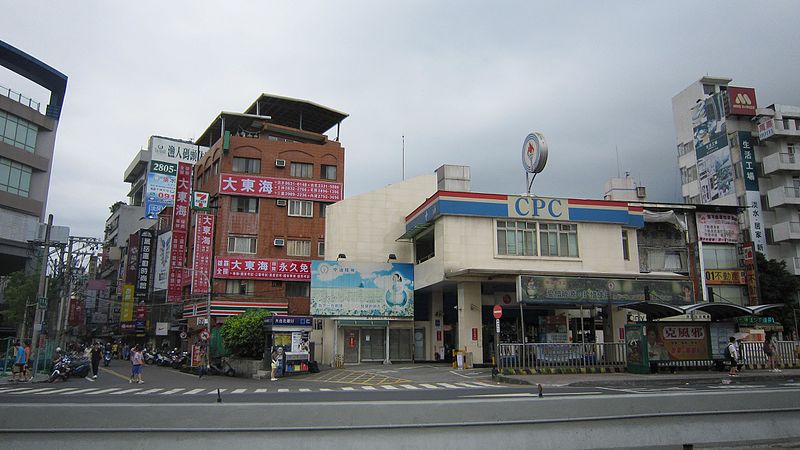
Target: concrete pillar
x,y
436,343
469,320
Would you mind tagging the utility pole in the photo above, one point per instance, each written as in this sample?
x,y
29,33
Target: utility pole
x,y
41,305
66,293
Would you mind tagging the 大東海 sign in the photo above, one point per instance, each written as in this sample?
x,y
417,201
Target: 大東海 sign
x,y
264,269
256,186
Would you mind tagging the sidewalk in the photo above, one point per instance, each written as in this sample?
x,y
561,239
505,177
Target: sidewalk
x,y
634,380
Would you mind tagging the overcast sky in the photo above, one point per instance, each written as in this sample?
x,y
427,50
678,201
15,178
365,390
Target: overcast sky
x,y
464,81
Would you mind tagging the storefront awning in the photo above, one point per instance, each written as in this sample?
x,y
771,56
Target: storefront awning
x,y
758,309
655,310
719,310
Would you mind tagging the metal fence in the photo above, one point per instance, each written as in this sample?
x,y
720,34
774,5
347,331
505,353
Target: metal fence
x,y
574,356
38,364
787,353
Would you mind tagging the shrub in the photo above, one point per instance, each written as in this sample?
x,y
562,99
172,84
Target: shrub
x,y
244,334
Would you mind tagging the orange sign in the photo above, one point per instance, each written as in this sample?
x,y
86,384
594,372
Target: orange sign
x,y
725,277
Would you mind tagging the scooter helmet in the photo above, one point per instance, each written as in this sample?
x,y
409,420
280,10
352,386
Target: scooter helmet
x,y
58,349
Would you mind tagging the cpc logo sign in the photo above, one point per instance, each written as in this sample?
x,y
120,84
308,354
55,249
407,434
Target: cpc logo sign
x,y
534,153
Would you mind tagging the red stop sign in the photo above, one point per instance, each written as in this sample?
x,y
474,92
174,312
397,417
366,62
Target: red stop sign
x,y
497,311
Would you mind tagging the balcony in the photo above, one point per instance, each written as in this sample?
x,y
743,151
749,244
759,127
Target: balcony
x,y
781,162
19,98
782,196
778,128
786,231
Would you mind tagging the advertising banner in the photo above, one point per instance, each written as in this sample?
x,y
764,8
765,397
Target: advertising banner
x,y
141,317
718,228
340,288
715,172
175,151
748,160
161,263
262,269
126,311
677,341
146,248
757,229
256,186
725,277
766,129
76,312
203,251
714,167
180,226
741,101
132,259
636,349
538,290
162,328
160,188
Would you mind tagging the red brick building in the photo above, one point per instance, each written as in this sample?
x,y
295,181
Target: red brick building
x,y
270,173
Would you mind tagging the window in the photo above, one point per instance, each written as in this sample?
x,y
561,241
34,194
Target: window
x,y
769,236
301,208
626,253
247,165
328,172
321,248
298,289
516,238
240,287
323,210
18,132
425,246
244,204
559,239
302,170
15,178
296,247
215,167
242,244
720,257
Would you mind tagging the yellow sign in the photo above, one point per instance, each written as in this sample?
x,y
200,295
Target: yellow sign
x,y
126,309
725,277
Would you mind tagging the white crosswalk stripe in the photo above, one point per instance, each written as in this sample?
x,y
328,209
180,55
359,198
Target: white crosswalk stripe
x,y
449,386
31,391
81,391
467,385
429,386
194,391
260,391
369,388
126,391
283,390
173,391
214,391
103,391
305,390
348,389
409,386
149,391
391,388
238,391
57,391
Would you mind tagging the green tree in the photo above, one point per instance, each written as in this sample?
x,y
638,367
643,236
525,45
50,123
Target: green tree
x,y
244,334
21,288
777,285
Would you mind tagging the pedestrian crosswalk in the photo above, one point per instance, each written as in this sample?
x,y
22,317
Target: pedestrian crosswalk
x,y
122,391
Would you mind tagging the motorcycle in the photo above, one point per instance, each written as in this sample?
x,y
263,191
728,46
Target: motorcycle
x,y
179,359
163,359
106,358
70,365
149,357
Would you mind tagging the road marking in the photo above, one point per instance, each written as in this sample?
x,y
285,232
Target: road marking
x,y
31,391
194,391
369,388
391,388
173,391
486,384
449,386
348,389
324,389
57,391
627,391
408,386
283,390
214,391
238,391
468,375
150,391
305,390
429,386
467,385
260,391
112,372
6,391
103,391
126,391
80,391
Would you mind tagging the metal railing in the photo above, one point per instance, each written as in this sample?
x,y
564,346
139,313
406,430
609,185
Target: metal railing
x,y
16,96
792,191
787,353
788,158
575,356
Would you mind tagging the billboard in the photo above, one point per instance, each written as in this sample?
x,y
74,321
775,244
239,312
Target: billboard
x,y
741,101
766,129
132,259
718,228
714,167
261,269
126,313
340,288
175,151
160,187
677,341
203,251
546,290
256,186
161,263
180,226
146,248
752,196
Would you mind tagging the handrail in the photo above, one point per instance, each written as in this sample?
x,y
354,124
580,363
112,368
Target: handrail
x,y
19,98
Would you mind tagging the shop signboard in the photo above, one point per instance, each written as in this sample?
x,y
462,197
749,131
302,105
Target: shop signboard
x,y
741,101
341,288
161,263
677,341
717,276
146,249
175,151
76,312
636,349
717,228
766,129
132,259
162,328
203,251
180,226
196,355
160,187
126,313
539,290
288,321
268,187
200,201
749,263
262,269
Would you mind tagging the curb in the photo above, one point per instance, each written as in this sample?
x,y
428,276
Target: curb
x,y
650,382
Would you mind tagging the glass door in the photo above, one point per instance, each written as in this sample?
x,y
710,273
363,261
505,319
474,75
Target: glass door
x,y
351,338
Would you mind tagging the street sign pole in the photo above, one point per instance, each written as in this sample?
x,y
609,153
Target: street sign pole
x,y
497,311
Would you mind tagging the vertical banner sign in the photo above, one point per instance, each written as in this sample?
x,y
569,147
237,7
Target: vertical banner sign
x,y
126,313
203,249
146,241
180,225
751,277
131,261
141,317
752,196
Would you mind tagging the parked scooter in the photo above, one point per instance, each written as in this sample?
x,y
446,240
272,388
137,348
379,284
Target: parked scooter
x,y
107,358
148,356
70,365
179,359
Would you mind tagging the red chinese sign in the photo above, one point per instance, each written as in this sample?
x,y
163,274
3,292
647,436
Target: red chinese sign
x,y
742,101
264,269
76,312
180,225
255,186
203,250
679,342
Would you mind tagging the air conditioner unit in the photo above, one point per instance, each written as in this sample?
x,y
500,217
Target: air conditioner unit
x,y
278,242
641,192
280,202
280,163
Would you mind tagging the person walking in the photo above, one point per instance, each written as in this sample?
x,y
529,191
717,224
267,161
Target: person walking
x,y
771,350
136,365
95,354
126,352
27,369
733,356
19,362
